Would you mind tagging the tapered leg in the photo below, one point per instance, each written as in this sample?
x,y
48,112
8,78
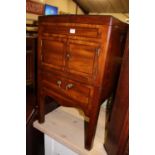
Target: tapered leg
x,y
90,129
41,103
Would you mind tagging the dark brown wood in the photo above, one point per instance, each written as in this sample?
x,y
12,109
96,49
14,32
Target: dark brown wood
x,y
78,63
34,138
84,19
30,60
116,142
31,54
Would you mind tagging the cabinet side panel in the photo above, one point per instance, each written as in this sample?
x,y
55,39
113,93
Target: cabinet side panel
x,y
118,127
113,61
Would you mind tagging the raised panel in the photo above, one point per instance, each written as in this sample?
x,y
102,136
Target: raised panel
x,y
81,59
53,53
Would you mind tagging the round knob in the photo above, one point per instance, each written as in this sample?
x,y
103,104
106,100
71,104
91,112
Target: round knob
x,y
59,83
68,55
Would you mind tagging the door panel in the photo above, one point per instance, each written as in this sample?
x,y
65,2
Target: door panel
x,y
81,57
53,53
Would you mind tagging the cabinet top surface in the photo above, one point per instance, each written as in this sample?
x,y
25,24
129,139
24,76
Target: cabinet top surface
x,y
85,19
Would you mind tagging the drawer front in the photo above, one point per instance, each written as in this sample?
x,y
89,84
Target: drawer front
x,y
52,81
78,92
85,32
72,31
68,88
50,29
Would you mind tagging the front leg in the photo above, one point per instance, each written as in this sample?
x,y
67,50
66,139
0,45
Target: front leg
x,y
90,128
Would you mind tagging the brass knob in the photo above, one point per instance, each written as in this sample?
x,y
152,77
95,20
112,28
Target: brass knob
x,y
69,86
68,55
59,83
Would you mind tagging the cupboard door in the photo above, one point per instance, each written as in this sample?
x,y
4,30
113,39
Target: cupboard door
x,y
53,51
82,57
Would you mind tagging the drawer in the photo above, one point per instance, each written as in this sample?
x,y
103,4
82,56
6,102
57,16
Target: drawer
x,y
52,81
78,92
72,31
85,32
47,29
68,88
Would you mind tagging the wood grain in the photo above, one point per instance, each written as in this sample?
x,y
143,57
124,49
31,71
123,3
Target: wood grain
x,y
87,68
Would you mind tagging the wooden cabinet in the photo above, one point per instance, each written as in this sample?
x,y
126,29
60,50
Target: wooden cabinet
x,y
78,62
30,60
117,138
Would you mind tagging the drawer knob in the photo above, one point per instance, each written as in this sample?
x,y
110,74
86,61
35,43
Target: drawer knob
x,y
69,86
59,83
